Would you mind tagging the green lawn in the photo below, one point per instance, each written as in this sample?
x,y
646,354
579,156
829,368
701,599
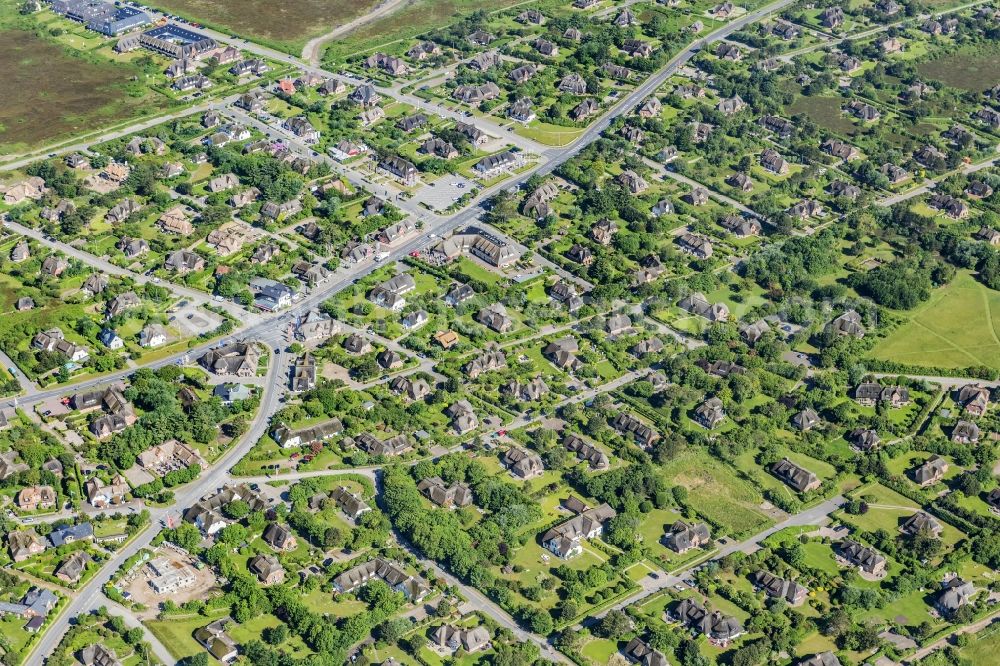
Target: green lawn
x,y
177,634
911,609
876,493
549,135
984,649
251,630
955,328
598,651
819,556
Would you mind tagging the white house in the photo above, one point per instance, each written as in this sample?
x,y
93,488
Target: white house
x,y
153,335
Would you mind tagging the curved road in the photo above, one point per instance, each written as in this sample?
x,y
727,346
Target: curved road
x,y
269,329
314,47
91,595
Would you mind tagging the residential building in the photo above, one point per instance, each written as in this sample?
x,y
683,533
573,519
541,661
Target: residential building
x,y
780,588
214,638
184,261
96,654
866,559
864,440
931,471
955,594
36,498
562,353
403,170
639,652
279,537
270,295
806,420
73,567
450,638
628,425
207,513
286,438
697,304
472,94
870,393
413,588
922,523
54,341
267,569
975,400
710,413
965,432
565,540
390,294
61,536
497,164
695,245
481,244
24,544
522,463
495,318
463,417
799,478
393,446
315,325
849,323
236,358
682,537
596,458
490,360
101,494
457,494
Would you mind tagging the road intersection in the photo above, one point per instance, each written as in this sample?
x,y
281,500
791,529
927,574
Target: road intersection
x,y
270,329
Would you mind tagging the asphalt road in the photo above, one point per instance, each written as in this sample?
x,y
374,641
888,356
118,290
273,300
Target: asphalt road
x,y
814,516
270,329
91,596
180,291
84,145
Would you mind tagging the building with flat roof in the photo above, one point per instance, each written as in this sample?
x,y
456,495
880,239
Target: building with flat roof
x,y
102,17
167,576
176,42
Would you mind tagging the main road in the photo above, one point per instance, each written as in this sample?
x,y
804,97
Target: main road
x,y
266,330
269,329
91,596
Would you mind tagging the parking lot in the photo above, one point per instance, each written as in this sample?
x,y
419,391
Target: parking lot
x,y
444,192
191,320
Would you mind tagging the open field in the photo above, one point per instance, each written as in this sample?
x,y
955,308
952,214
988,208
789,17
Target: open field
x,y
964,70
717,493
287,25
74,94
406,22
825,112
177,634
955,328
